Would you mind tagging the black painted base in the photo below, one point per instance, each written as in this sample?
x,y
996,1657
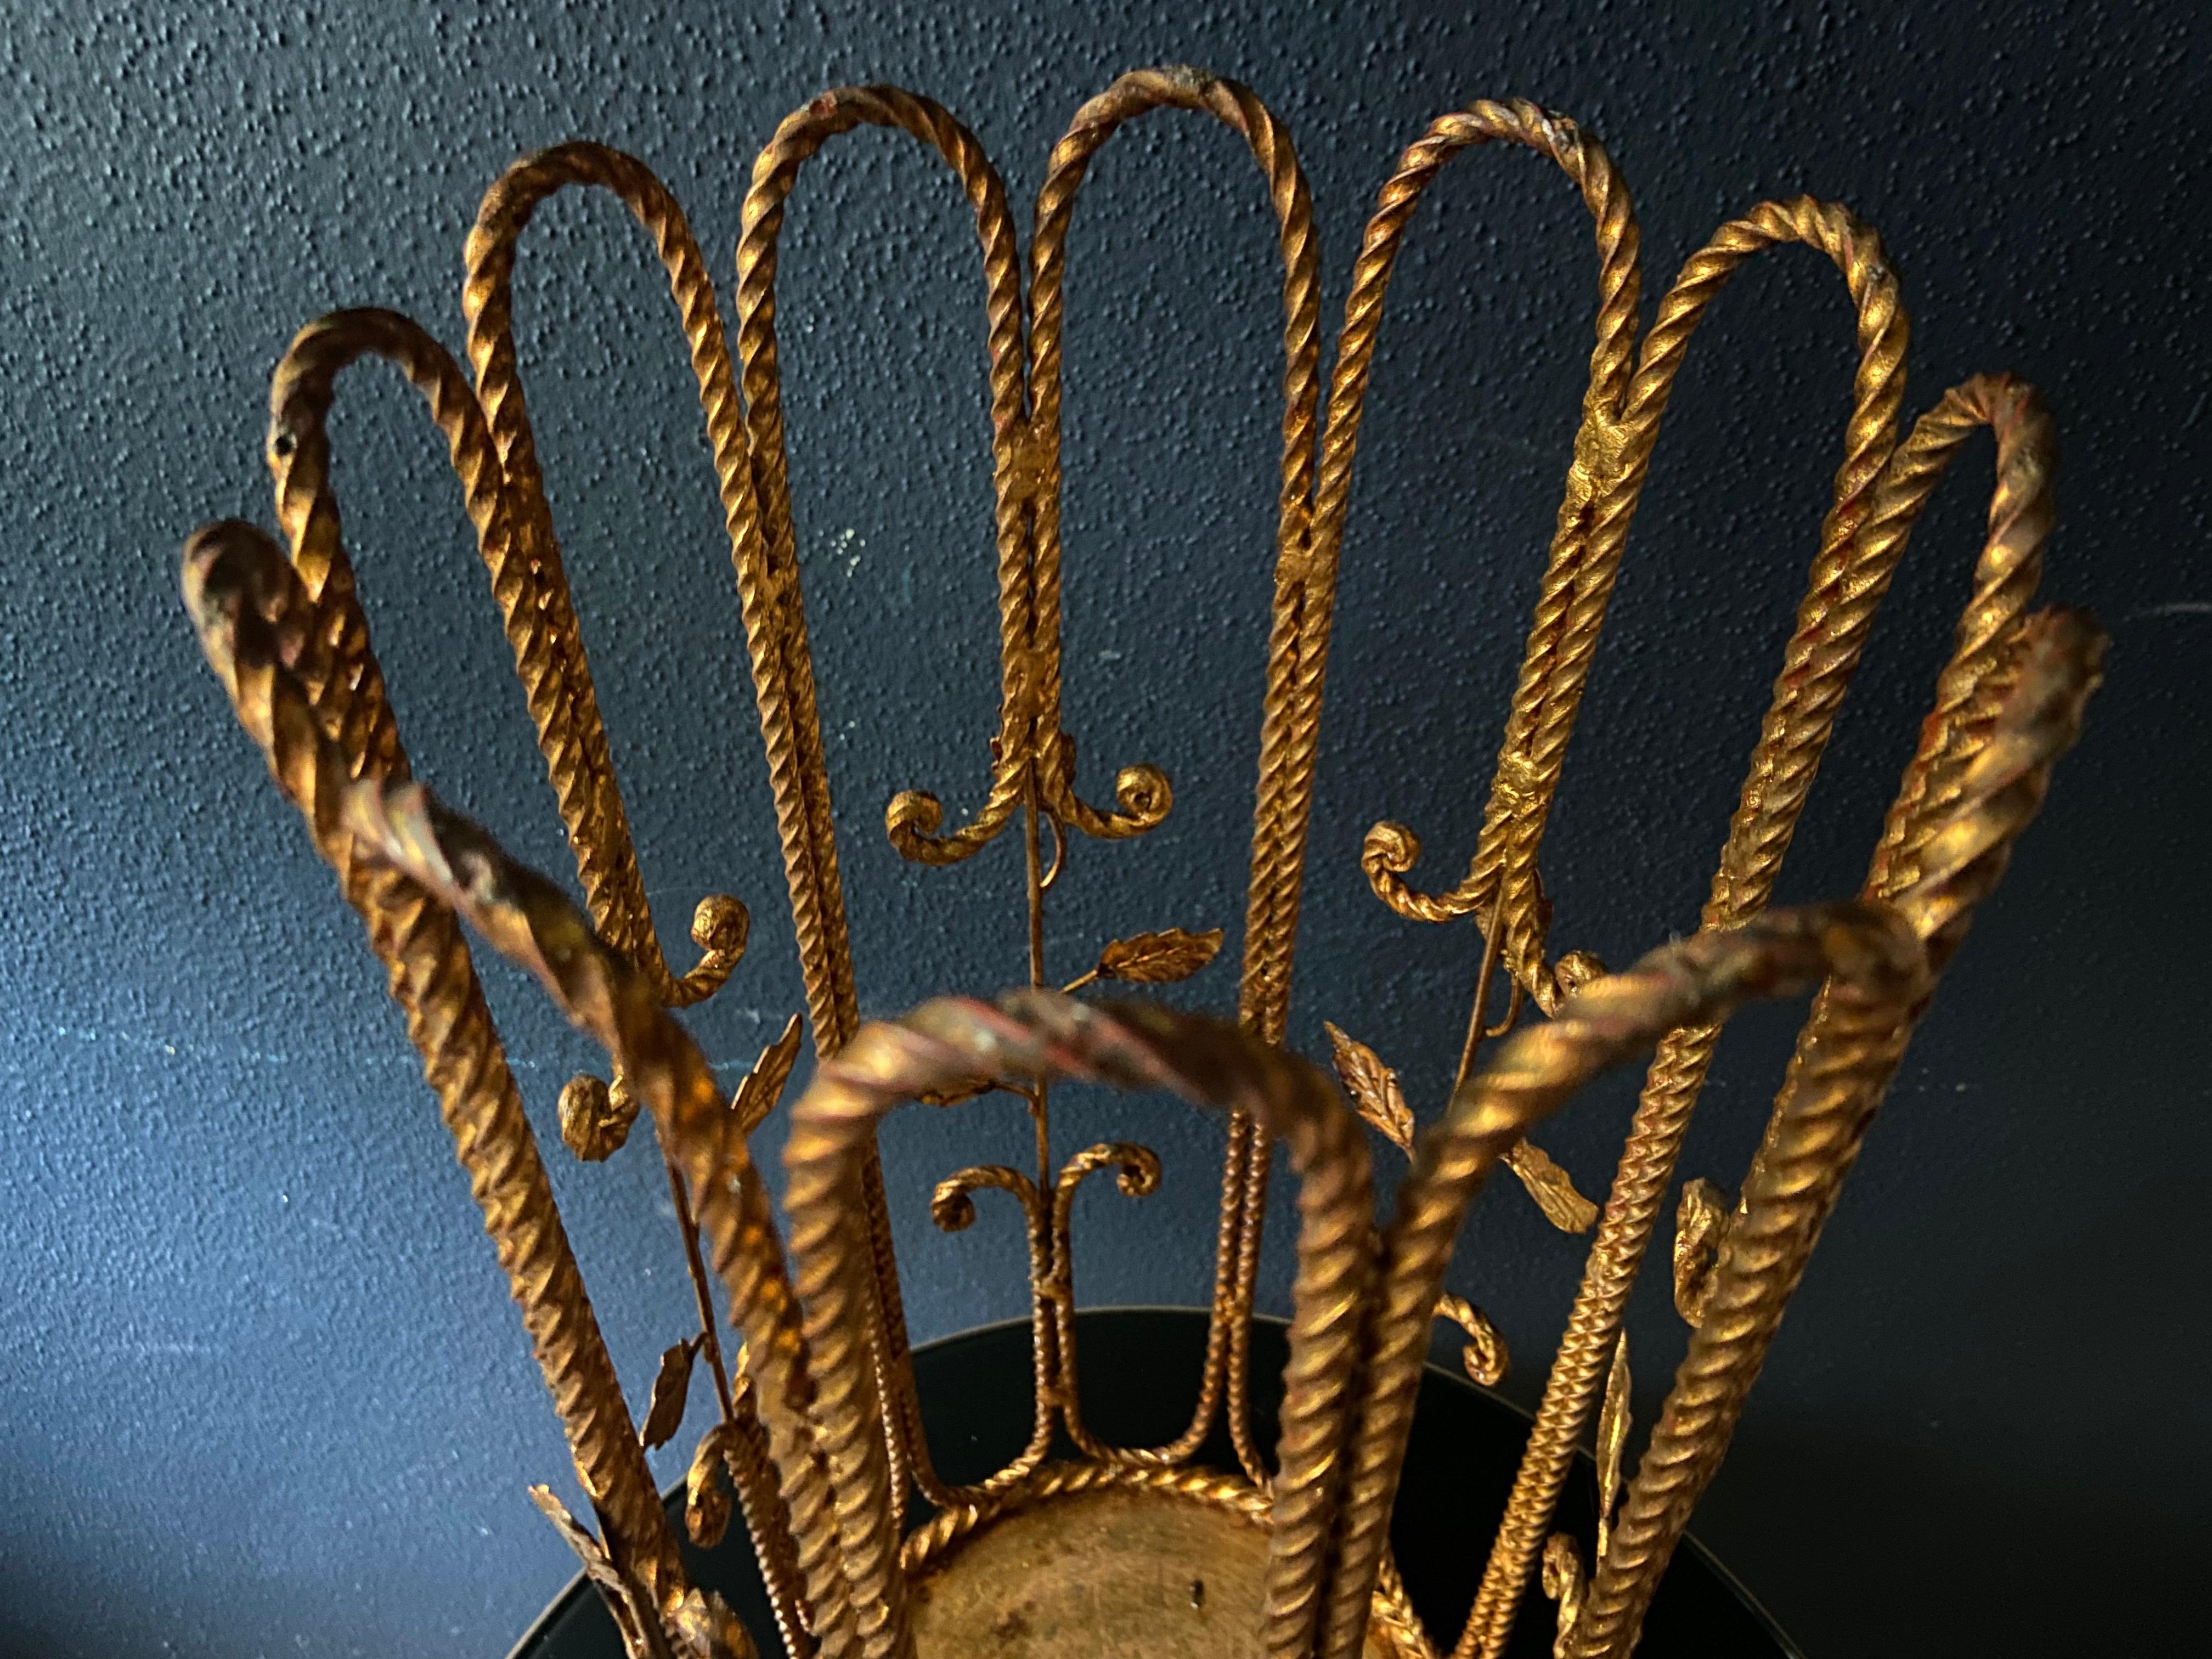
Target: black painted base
x,y
1139,1368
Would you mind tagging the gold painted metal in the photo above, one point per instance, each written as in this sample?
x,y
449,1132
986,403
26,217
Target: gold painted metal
x,y
1113,1569
816,1435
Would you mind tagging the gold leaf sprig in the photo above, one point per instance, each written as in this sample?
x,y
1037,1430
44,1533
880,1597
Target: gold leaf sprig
x,y
1700,1226
1612,1426
1373,1088
954,1095
1378,1097
763,1085
672,1389
1552,1187
633,1611
1160,958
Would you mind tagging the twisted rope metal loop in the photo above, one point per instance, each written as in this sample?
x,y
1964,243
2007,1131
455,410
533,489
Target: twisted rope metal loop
x,y
1844,1062
1700,979
912,817
1850,566
799,765
607,858
2005,578
1391,849
1141,792
531,592
1821,655
1285,790
1037,1035
274,650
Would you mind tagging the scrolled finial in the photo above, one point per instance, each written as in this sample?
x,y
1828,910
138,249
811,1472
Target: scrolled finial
x,y
596,1117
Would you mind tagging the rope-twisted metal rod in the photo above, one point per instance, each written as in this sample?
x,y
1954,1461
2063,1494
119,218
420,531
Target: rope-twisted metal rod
x,y
532,922
541,628
527,582
436,864
1971,686
1289,719
613,887
1820,656
2020,518
272,647
1844,1062
913,816
2005,578
1392,848
1032,1035
1609,1020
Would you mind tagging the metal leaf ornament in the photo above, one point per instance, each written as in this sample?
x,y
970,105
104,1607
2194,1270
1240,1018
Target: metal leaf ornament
x,y
1552,1187
622,1601
1372,1086
672,1389
1700,1224
1613,1425
1160,958
763,1085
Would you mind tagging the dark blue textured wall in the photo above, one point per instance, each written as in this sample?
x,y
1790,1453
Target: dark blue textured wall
x,y
260,1388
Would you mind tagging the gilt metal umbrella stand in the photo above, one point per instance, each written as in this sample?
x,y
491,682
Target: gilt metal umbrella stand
x,y
1262,1523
